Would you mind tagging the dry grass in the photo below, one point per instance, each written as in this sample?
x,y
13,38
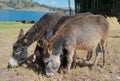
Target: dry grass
x,y
82,73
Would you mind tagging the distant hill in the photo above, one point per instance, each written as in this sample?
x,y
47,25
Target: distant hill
x,y
27,5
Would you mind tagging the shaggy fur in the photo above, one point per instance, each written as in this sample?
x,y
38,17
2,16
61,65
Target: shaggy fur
x,y
40,30
84,32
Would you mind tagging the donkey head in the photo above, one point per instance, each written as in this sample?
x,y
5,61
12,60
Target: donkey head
x,y
51,61
19,50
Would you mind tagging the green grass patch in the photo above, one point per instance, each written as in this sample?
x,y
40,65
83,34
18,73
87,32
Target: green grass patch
x,y
4,23
14,25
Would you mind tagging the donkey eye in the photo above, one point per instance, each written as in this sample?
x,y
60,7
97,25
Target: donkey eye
x,y
18,50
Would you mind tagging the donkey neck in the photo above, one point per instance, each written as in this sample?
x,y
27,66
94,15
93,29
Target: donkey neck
x,y
57,45
30,36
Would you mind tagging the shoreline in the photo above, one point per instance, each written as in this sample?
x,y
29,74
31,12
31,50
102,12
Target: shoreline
x,y
26,10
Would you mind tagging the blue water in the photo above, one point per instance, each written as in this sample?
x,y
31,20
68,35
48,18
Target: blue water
x,y
13,15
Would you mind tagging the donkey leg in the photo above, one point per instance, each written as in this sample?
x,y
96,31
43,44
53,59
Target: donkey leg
x,y
35,53
98,50
37,57
74,61
104,52
89,55
69,60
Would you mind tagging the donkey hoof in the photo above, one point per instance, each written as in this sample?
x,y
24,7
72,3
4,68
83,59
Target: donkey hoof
x,y
67,72
50,75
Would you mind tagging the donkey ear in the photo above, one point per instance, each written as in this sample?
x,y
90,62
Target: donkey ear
x,y
21,34
50,50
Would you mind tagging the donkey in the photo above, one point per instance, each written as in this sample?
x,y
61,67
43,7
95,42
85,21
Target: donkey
x,y
37,58
84,32
45,25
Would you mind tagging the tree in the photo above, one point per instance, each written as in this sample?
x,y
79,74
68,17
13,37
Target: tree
x,y
69,7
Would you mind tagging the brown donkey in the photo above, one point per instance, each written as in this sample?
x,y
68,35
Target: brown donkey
x,y
84,32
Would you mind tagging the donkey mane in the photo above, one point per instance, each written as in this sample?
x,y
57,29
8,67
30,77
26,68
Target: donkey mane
x,y
35,27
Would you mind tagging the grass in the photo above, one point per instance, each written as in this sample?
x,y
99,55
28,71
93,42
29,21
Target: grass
x,y
13,25
8,35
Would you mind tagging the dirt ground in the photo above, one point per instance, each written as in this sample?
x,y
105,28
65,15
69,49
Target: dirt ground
x,y
82,73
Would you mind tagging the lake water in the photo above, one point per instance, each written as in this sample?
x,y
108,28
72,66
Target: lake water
x,y
13,15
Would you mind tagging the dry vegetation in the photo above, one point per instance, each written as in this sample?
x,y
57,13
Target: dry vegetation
x,y
82,73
